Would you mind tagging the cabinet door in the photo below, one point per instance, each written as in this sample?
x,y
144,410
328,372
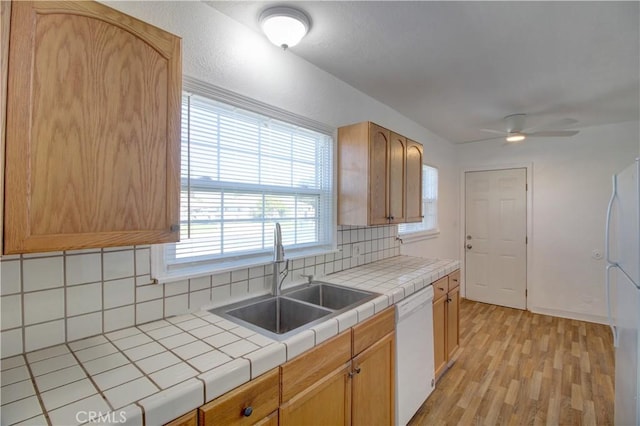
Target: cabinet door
x,y
270,420
413,200
93,129
439,334
397,174
453,326
374,384
379,142
327,402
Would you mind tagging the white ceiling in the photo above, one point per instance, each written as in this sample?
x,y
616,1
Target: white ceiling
x,y
457,67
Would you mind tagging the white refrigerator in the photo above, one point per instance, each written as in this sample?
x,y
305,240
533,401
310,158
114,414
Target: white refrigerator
x,y
622,248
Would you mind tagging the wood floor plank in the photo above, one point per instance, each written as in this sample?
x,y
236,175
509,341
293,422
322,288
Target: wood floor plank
x,y
519,368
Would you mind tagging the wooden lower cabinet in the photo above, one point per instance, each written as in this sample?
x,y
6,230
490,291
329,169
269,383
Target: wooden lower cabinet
x,y
271,420
327,402
248,404
373,397
453,322
359,392
439,334
347,380
446,321
189,419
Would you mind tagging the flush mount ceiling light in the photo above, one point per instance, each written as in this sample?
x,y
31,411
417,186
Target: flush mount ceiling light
x,y
284,26
515,137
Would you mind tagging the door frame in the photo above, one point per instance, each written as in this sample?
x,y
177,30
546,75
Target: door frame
x,y
463,213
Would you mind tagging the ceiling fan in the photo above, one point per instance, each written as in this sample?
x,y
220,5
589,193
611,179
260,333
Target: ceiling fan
x,y
515,130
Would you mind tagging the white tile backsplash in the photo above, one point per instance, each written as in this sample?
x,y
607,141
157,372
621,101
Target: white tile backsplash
x,y
118,264
84,326
42,273
84,298
115,319
11,311
78,293
41,306
83,268
10,277
119,293
11,343
44,335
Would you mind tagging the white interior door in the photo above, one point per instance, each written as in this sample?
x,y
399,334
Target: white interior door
x,y
495,237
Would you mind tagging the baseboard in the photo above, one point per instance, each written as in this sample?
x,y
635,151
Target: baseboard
x,y
568,314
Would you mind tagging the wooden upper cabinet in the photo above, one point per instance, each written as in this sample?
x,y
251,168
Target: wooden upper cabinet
x,y
378,178
413,207
92,129
397,173
376,174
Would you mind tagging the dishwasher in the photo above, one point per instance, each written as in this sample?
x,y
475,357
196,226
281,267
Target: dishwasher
x,y
414,353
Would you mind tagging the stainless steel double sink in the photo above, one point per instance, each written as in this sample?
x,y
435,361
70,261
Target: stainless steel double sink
x,y
297,309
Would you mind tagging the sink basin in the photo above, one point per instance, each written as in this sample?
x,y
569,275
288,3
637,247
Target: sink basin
x,y
278,315
330,296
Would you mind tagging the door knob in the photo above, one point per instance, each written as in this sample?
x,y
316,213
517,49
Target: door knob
x,y
469,246
468,237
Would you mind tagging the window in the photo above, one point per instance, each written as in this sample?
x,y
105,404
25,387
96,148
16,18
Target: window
x,y
241,173
429,224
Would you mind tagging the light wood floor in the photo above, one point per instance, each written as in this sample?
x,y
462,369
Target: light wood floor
x,y
519,368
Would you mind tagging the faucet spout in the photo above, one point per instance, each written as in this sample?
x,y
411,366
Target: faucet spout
x,y
278,248
278,259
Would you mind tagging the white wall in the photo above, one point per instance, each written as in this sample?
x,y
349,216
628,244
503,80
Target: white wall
x,y
218,50
571,187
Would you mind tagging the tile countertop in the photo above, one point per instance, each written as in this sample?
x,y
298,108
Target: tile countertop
x,y
171,366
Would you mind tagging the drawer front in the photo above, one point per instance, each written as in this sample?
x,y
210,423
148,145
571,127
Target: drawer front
x,y
306,369
454,279
244,405
440,288
375,328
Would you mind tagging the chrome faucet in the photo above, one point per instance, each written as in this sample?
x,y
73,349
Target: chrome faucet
x,y
278,259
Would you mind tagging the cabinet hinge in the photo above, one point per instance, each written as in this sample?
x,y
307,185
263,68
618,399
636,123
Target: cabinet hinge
x,y
526,239
526,293
526,186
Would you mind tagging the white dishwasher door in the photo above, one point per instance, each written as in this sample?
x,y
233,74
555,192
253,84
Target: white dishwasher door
x,y
414,353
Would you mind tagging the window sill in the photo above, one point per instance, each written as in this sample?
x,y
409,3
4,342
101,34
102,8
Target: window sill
x,y
413,237
163,276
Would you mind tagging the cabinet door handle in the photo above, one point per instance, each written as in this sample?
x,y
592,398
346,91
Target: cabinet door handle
x,y
448,300
247,411
441,288
358,370
351,374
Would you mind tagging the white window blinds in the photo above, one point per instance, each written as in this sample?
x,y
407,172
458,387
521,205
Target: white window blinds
x,y
241,173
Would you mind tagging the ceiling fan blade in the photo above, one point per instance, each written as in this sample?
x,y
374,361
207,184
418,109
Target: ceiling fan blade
x,y
556,124
498,132
482,140
553,134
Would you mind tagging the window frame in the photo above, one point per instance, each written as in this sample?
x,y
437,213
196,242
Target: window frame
x,y
424,234
163,272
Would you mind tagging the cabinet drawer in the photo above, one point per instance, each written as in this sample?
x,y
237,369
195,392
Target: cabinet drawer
x,y
261,395
306,369
370,331
454,279
440,288
189,419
